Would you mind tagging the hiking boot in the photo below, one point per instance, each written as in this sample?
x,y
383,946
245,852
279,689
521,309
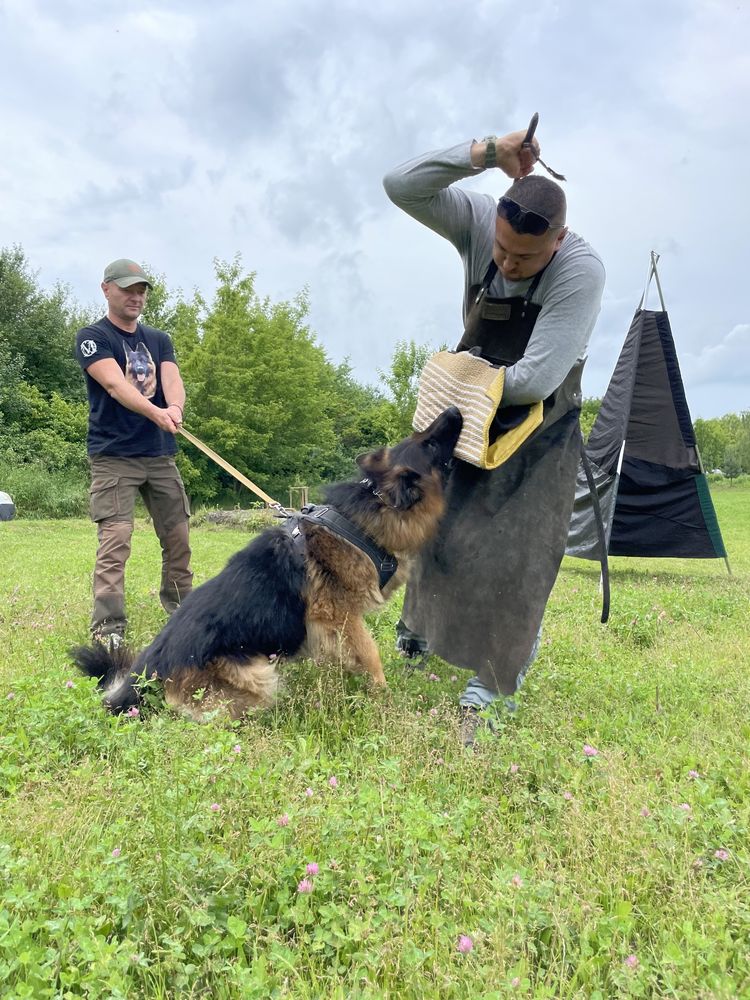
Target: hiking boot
x,y
470,723
413,651
474,722
111,641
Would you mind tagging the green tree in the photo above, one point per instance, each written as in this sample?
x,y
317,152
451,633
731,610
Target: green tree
x,y
712,438
172,312
260,388
589,412
37,327
732,466
402,382
743,441
362,420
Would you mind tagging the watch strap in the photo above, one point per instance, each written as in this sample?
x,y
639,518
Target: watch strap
x,y
490,156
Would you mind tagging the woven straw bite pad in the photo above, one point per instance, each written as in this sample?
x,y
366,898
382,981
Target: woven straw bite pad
x,y
468,382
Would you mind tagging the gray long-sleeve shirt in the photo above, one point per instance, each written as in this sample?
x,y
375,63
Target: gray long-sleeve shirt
x,y
569,292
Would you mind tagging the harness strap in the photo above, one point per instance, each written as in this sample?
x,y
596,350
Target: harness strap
x,y
385,562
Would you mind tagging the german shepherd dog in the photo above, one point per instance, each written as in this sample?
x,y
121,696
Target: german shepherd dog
x,y
291,593
140,370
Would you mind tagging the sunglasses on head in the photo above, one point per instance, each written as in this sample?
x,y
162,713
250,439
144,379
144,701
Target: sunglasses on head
x,y
522,220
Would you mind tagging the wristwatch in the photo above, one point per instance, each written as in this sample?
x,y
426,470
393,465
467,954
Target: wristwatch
x,y
490,156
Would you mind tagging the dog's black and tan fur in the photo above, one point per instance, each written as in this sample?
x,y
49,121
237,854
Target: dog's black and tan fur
x,y
277,599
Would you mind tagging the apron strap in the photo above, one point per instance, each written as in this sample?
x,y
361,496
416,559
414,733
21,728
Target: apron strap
x,y
489,277
486,281
599,530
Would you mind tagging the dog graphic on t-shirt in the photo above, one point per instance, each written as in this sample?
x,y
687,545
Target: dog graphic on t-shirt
x,y
140,369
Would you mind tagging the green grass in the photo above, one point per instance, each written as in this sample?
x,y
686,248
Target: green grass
x,y
158,858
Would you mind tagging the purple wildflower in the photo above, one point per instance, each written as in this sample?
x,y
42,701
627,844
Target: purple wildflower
x,y
465,944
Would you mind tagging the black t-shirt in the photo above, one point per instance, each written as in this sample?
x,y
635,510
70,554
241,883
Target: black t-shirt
x,y
113,429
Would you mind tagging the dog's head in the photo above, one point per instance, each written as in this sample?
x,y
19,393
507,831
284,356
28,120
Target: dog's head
x,y
139,365
399,473
407,483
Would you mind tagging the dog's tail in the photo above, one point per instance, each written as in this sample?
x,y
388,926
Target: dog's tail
x,y
112,668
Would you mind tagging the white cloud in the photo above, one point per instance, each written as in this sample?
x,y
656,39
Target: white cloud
x,y
177,132
725,362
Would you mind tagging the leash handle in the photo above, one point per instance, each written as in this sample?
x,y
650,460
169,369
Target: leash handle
x,y
228,468
527,144
531,130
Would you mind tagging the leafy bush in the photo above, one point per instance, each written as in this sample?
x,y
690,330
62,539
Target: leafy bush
x,y
38,492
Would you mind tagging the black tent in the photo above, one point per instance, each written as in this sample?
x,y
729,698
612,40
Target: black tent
x,y
646,468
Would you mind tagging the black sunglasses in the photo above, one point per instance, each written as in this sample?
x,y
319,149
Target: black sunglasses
x,y
522,220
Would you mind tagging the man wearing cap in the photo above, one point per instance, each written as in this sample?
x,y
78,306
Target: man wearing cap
x,y
136,405
532,292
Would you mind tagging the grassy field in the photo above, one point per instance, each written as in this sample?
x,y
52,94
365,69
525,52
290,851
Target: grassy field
x,y
343,845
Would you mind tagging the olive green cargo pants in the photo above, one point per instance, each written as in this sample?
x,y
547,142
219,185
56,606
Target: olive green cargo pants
x,y
114,485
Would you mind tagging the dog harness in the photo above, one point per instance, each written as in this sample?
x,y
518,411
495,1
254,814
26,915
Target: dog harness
x,y
385,562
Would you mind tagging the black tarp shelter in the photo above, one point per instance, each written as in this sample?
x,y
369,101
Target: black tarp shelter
x,y
647,471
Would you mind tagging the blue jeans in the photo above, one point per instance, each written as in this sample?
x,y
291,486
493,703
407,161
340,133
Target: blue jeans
x,y
478,695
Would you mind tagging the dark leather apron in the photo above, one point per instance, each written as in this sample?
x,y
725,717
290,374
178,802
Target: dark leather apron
x,y
478,592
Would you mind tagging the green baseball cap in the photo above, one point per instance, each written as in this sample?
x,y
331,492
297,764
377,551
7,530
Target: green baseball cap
x,y
125,273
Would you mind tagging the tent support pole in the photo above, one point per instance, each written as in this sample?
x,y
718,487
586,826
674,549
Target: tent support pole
x,y
654,259
653,273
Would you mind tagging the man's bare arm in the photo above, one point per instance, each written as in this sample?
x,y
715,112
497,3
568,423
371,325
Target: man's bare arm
x,y
109,375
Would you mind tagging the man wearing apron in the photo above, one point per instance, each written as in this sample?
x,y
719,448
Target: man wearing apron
x,y
532,293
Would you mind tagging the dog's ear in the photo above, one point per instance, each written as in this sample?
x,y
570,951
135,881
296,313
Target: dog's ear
x,y
371,461
406,489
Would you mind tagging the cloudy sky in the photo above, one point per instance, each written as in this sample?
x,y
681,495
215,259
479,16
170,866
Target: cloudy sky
x,y
178,131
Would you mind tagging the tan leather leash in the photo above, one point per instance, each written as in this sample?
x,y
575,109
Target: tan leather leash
x,y
527,144
229,468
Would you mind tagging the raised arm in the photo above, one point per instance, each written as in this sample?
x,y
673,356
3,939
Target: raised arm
x,y
422,186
